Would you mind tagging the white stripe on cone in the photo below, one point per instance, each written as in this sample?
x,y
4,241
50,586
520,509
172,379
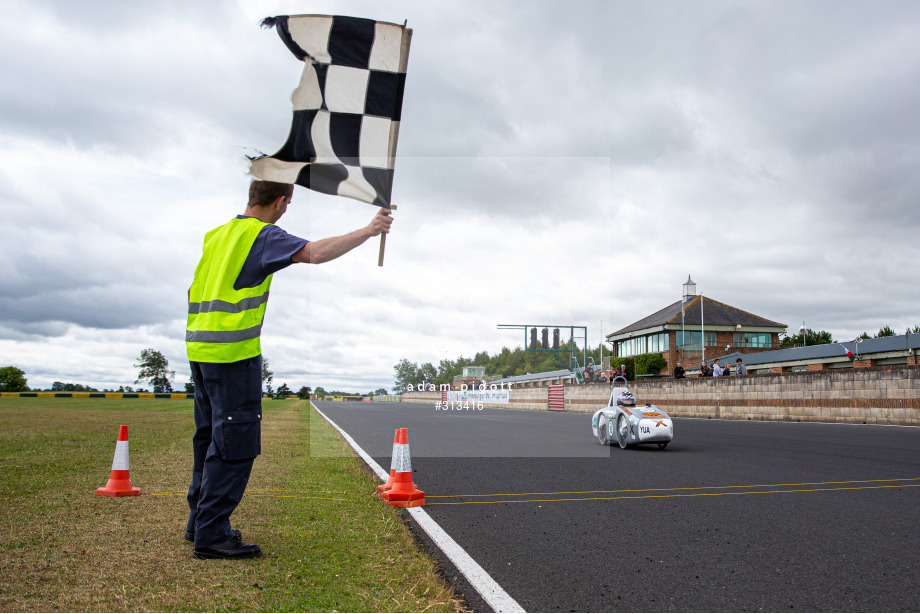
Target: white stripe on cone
x,y
403,462
120,462
393,455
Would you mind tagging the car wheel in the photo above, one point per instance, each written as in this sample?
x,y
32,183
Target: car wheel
x,y
662,445
622,430
602,431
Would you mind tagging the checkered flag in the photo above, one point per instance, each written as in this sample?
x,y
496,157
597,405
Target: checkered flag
x,y
346,108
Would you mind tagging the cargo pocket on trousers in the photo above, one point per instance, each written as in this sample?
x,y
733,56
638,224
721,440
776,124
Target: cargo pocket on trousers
x,y
242,432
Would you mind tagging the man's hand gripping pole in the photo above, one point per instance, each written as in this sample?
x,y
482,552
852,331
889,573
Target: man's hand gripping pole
x,y
383,242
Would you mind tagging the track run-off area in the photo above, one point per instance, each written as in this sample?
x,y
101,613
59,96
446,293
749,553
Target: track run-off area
x,y
732,516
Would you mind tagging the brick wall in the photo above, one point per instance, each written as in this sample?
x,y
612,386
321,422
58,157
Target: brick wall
x,y
873,395
529,398
519,398
420,397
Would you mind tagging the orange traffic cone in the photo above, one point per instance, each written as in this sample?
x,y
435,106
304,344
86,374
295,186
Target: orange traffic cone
x,y
389,483
119,484
404,492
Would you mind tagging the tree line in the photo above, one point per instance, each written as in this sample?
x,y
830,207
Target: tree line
x,y
810,337
506,363
153,368
510,363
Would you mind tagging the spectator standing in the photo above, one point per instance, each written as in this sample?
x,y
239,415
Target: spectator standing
x,y
716,368
740,367
678,371
704,369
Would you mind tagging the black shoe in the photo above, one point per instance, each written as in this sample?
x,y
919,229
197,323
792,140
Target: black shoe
x,y
233,548
190,535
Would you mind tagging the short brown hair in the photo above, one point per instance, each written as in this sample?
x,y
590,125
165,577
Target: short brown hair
x,y
264,193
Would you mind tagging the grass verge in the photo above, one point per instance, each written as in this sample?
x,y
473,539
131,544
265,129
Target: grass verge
x,y
328,542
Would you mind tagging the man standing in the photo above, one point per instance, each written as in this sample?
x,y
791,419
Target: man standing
x,y
740,367
226,308
716,368
678,372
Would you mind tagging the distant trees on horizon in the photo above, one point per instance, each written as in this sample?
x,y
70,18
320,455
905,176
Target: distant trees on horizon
x,y
154,368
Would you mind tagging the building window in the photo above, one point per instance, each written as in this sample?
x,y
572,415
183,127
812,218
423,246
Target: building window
x,y
753,340
691,340
655,344
631,347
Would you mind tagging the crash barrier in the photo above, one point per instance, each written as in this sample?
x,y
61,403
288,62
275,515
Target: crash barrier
x,y
390,398
480,397
119,484
875,395
556,396
519,398
101,395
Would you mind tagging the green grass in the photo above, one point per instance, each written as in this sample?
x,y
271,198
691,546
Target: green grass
x,y
329,543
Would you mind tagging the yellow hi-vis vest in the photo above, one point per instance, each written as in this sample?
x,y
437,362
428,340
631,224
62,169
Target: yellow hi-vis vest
x,y
224,324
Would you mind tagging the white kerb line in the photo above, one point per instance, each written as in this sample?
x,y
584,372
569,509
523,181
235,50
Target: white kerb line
x,y
489,589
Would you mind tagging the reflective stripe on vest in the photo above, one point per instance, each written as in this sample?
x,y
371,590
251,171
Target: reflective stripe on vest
x,y
224,324
225,307
222,336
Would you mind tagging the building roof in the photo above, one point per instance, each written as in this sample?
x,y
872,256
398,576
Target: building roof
x,y
827,350
695,309
530,377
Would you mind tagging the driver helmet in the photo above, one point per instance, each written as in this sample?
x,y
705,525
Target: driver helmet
x,y
626,399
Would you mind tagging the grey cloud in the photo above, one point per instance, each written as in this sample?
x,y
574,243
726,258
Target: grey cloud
x,y
505,187
137,78
106,307
101,16
95,284
32,331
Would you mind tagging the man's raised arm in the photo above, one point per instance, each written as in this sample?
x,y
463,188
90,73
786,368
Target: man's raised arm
x,y
324,250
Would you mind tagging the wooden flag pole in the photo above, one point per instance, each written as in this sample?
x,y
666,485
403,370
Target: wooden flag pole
x,y
383,242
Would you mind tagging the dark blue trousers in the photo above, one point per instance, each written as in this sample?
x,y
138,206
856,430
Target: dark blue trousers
x,y
228,415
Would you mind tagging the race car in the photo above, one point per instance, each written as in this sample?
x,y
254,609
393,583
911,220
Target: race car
x,y
627,424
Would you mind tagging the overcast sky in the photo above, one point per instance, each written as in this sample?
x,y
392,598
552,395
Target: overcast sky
x,y
558,163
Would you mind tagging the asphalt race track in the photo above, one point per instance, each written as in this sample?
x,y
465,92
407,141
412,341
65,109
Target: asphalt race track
x,y
732,516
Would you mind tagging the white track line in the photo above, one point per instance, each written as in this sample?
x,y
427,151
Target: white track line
x,y
489,589
893,426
